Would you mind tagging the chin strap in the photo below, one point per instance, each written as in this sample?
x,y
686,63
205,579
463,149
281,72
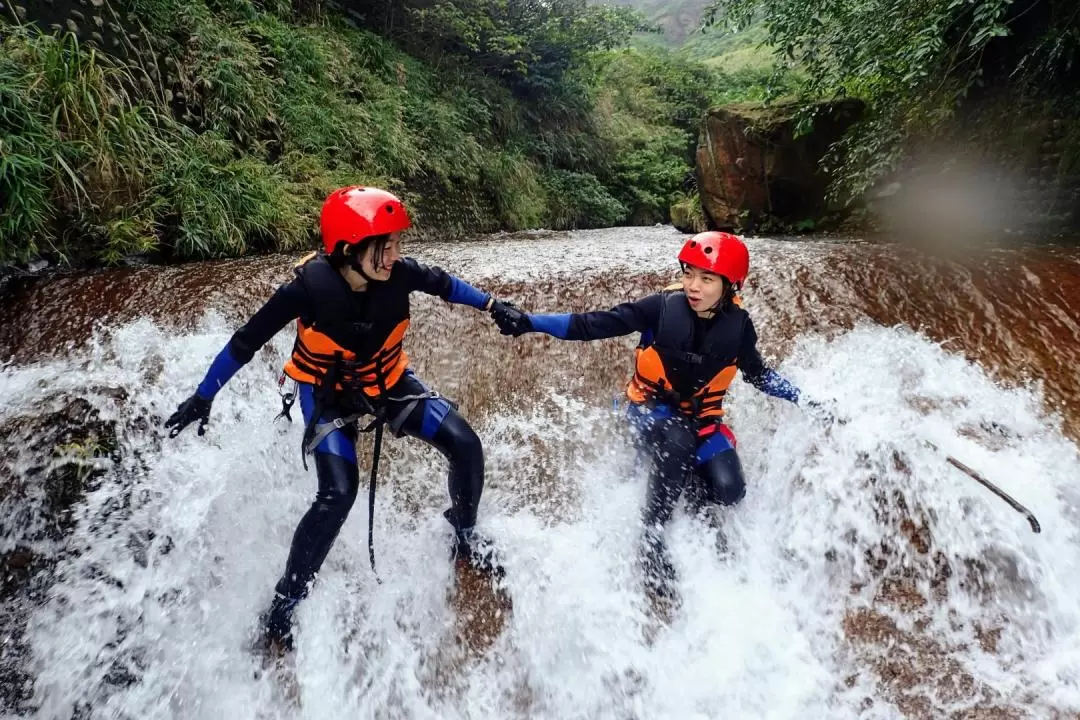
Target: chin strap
x,y
356,264
733,290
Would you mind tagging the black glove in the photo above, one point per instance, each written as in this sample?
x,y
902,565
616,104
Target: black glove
x,y
192,409
510,319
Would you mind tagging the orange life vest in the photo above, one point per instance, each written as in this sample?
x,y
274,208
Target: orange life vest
x,y
666,371
315,354
330,345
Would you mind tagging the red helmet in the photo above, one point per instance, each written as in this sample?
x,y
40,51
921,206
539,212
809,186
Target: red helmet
x,y
718,252
354,213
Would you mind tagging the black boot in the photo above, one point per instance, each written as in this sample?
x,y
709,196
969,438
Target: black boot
x,y
471,547
276,624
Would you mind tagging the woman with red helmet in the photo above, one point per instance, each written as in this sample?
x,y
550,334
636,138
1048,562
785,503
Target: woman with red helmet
x,y
351,306
693,340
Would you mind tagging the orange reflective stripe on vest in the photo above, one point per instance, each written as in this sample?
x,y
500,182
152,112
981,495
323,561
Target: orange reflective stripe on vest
x,y
650,382
315,353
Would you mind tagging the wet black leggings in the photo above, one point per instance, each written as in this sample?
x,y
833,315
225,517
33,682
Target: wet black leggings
x,y
672,444
339,480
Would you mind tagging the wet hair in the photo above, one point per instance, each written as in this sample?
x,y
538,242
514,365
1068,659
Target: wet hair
x,y
350,254
728,296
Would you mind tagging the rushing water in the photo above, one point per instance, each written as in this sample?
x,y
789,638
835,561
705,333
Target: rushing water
x,y
865,576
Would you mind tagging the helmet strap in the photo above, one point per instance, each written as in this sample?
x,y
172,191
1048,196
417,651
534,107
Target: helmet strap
x,y
730,289
356,257
356,263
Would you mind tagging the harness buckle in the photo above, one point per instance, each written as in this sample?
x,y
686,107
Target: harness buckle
x,y
288,398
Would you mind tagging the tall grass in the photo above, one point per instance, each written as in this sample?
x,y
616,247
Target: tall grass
x,y
76,150
253,120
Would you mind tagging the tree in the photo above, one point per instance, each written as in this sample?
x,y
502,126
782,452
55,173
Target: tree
x,y
917,62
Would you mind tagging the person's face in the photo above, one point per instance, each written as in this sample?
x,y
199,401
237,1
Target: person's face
x,y
379,267
703,288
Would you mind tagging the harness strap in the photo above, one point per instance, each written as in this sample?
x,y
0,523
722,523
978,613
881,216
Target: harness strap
x,y
397,419
316,432
322,430
371,499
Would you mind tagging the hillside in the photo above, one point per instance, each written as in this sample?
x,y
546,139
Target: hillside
x,y
680,19
682,31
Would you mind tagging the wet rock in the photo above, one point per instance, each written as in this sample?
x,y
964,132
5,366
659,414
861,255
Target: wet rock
x,y
15,569
63,452
752,164
686,215
16,684
51,459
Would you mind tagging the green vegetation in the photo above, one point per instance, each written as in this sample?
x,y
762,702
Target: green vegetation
x,y
215,127
927,70
650,105
91,170
744,67
221,130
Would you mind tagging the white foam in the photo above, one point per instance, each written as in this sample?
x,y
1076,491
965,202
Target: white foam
x,y
760,633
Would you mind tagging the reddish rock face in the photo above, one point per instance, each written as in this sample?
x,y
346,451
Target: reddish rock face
x,y
751,166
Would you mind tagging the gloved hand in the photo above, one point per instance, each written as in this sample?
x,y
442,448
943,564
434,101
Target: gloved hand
x,y
510,319
192,409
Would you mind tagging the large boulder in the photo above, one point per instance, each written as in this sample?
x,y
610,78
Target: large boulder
x,y
753,169
686,214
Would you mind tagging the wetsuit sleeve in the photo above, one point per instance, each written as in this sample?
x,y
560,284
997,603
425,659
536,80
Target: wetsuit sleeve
x,y
438,282
285,305
757,373
639,316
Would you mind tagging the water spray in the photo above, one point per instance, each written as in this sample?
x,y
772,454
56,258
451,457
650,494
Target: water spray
x,y
825,415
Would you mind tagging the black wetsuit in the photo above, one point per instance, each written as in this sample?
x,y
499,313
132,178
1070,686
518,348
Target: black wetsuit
x,y
367,318
683,450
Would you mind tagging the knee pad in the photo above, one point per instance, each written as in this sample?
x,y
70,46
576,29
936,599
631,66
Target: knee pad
x,y
723,479
729,493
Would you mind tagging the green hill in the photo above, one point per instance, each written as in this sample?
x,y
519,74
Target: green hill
x,y
718,47
679,19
